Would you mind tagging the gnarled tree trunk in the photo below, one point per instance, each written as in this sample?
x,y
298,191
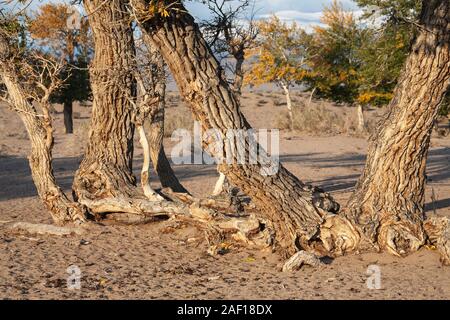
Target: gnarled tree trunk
x,y
106,169
40,133
294,209
388,204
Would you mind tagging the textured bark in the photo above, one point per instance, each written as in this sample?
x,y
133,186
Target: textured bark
x,y
438,232
68,121
40,133
156,135
295,209
388,204
106,169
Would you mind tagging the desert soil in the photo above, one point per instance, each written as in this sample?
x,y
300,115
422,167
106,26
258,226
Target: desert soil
x,y
148,262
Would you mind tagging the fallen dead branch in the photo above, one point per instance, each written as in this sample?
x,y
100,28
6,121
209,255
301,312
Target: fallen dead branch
x,y
45,229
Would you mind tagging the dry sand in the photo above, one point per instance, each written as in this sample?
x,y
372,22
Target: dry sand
x,y
143,262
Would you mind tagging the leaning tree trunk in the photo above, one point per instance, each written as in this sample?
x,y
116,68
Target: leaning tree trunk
x,y
40,133
293,209
106,170
388,203
157,153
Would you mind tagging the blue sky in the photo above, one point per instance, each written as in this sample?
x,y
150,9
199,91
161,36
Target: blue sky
x,y
304,12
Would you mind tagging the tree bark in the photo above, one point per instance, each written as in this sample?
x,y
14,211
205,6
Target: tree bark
x,y
294,209
40,133
160,162
288,104
106,169
68,120
388,203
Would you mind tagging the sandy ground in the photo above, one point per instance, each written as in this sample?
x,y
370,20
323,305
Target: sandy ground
x,y
143,262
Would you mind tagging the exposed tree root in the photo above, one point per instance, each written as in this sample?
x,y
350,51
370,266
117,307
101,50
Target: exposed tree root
x,y
438,232
338,236
216,218
225,202
299,259
142,206
46,229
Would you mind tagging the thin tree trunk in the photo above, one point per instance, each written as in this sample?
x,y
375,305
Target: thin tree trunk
x,y
311,97
160,162
40,133
288,104
106,169
68,120
238,75
361,121
294,209
388,203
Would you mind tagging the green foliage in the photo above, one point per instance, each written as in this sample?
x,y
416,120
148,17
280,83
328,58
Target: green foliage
x,y
361,62
395,11
335,61
383,57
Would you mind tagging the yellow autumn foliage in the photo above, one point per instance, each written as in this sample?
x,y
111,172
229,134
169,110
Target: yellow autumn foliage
x,y
279,55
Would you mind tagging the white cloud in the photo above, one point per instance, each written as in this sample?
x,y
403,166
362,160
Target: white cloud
x,y
304,19
293,15
305,13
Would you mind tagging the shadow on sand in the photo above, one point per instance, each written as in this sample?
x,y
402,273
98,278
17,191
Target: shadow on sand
x,y
16,181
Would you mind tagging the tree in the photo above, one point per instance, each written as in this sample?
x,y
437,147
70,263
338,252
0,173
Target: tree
x,y
386,51
386,210
106,169
50,26
387,206
152,72
388,203
335,62
227,33
280,57
30,79
294,209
